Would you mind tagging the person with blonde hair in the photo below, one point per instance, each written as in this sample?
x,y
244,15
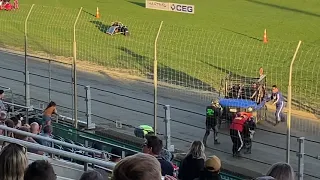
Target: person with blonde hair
x,y
137,167
193,163
281,171
13,161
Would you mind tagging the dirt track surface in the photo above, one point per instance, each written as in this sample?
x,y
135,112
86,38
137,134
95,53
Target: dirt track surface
x,y
268,148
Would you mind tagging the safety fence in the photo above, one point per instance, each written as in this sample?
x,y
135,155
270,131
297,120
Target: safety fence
x,y
183,60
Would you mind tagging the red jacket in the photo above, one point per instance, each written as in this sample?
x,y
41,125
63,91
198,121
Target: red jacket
x,y
238,123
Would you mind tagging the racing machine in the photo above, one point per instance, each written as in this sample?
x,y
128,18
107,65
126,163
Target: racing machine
x,y
118,28
243,94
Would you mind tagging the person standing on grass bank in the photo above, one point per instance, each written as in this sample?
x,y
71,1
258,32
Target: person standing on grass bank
x,y
48,112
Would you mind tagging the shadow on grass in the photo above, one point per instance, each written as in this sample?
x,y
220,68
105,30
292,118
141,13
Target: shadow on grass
x,y
165,73
138,3
254,38
284,8
89,13
102,27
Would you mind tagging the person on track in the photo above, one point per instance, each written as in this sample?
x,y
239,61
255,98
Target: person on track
x,y
279,102
236,129
213,120
248,132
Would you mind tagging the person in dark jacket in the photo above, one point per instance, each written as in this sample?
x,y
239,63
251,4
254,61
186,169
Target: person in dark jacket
x,y
193,163
248,132
213,121
211,170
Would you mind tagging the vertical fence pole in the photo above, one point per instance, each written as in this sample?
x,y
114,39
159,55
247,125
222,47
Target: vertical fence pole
x,y
88,107
167,119
85,165
290,103
27,95
50,76
300,155
75,94
26,73
155,80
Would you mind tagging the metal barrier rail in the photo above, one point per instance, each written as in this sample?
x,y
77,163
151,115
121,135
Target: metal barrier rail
x,y
51,150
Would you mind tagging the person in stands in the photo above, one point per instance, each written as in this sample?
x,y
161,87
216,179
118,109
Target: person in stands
x,y
211,170
116,154
13,161
47,132
193,163
281,171
91,175
40,170
48,112
29,139
153,146
2,106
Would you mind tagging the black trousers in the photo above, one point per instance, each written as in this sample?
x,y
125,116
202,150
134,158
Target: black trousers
x,y
247,143
237,141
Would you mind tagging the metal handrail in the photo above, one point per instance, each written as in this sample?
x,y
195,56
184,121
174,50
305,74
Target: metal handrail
x,y
109,165
50,140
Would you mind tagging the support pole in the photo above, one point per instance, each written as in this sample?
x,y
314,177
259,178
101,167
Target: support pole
x,y
167,120
300,155
75,94
290,103
88,108
155,80
50,79
26,64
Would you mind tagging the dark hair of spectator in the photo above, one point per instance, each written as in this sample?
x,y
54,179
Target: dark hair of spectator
x,y
274,86
40,170
1,92
47,129
15,120
91,175
155,143
20,136
116,153
9,123
51,104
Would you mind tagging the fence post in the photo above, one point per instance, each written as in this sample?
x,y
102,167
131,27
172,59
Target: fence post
x,y
75,94
26,73
27,95
155,81
290,103
167,119
85,165
50,76
300,155
88,108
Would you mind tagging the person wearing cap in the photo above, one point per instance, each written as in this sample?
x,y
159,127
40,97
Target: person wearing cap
x,y
213,114
143,130
236,129
211,169
116,154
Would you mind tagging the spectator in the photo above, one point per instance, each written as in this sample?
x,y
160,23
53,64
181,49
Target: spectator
x,y
116,154
167,155
3,115
193,163
9,123
2,106
13,162
29,139
48,112
40,170
281,171
35,129
211,170
16,121
137,167
47,132
265,178
91,175
154,146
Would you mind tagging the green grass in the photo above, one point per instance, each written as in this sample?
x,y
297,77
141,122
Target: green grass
x,y
193,50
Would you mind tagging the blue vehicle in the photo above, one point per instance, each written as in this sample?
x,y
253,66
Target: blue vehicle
x,y
243,94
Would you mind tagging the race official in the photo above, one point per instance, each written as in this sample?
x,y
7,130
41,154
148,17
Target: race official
x,y
279,102
236,129
213,120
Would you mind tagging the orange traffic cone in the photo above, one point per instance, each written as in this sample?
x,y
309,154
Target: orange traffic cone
x,y
98,13
265,39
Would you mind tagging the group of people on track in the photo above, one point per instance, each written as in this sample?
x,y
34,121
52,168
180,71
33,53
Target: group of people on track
x,y
243,126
